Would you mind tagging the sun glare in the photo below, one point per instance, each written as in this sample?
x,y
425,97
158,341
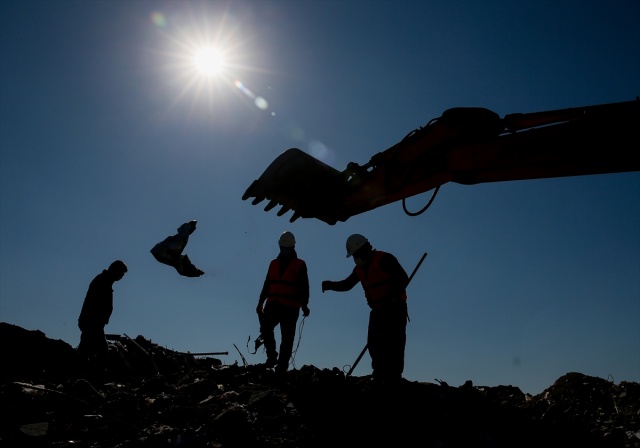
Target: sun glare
x,y
205,54
208,61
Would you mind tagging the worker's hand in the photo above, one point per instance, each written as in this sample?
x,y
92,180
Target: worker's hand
x,y
305,311
327,286
259,309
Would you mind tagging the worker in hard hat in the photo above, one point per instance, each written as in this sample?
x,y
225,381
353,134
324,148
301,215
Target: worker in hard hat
x,y
384,282
284,293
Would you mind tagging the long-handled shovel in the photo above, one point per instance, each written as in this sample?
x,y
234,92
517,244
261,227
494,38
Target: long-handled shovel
x,y
364,350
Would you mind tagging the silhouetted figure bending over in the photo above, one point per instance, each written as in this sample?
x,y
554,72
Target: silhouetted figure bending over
x,y
95,314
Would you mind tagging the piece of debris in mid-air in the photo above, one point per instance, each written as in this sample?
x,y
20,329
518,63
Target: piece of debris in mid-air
x,y
170,250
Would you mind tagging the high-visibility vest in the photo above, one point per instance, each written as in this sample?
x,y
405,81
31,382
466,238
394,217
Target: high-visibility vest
x,y
377,284
283,288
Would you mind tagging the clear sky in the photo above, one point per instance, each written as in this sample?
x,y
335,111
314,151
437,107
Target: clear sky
x,y
110,138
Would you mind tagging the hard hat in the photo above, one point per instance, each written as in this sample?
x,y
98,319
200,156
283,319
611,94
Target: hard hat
x,y
287,240
355,242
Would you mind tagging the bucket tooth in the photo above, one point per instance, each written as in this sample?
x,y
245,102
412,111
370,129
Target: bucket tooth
x,y
258,200
252,191
294,217
300,183
270,205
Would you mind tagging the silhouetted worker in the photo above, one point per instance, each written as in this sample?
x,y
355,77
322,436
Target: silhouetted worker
x,y
285,291
384,282
95,314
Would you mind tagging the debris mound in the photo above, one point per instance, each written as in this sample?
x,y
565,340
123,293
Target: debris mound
x,y
155,397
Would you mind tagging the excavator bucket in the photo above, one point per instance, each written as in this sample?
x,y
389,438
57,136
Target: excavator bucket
x,y
299,182
466,146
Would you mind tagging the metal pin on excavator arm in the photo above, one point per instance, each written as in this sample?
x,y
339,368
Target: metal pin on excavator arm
x,y
466,146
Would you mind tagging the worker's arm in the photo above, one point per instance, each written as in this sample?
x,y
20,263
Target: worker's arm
x,y
342,285
263,295
303,287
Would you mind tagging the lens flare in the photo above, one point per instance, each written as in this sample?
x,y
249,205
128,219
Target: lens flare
x,y
242,88
261,103
158,19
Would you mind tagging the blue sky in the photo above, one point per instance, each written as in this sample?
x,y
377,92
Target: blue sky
x,y
110,139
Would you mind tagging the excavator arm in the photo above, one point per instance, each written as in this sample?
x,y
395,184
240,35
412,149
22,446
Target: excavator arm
x,y
465,145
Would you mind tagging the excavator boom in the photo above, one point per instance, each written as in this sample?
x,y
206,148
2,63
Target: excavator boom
x,y
465,145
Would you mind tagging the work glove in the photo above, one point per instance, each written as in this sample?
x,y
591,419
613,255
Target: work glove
x,y
327,286
305,311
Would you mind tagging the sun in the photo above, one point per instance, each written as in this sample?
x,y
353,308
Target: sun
x,y
202,55
209,61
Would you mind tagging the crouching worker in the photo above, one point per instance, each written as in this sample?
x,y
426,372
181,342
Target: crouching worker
x,y
95,314
285,291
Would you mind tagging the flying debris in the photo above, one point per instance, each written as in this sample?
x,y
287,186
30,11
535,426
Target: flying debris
x,y
170,250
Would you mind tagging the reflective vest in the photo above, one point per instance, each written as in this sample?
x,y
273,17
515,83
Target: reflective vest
x,y
376,285
283,288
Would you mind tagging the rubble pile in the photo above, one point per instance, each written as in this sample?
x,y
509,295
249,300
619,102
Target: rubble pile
x,y
155,397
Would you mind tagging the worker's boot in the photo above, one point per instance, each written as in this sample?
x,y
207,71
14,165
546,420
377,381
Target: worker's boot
x,y
271,363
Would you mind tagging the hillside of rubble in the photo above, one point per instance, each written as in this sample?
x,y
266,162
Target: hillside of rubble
x,y
155,397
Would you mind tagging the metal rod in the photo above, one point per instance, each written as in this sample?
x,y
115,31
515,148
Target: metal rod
x,y
117,337
203,354
244,361
424,255
364,350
